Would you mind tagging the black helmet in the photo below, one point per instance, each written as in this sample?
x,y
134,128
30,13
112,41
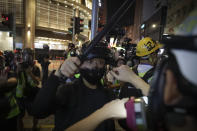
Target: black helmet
x,y
45,47
71,45
99,51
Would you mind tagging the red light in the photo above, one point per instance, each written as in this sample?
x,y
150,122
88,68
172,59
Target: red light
x,y
6,18
81,21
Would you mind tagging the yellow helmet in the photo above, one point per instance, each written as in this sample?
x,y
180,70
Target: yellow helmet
x,y
146,46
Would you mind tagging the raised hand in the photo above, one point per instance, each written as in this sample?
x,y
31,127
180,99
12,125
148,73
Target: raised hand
x,y
123,73
70,66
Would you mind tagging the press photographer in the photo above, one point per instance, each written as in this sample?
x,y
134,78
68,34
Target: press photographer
x,y
27,70
28,82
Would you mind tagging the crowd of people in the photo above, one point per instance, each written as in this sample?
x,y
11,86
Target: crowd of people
x,y
90,93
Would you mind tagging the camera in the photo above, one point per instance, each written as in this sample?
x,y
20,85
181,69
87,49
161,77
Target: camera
x,y
136,114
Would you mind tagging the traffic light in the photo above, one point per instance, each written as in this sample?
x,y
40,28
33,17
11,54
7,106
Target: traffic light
x,y
70,30
72,21
78,25
73,24
7,20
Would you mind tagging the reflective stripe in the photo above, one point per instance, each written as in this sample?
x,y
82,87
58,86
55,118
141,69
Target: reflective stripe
x,y
31,82
143,69
77,75
102,82
116,82
20,86
68,54
142,75
14,106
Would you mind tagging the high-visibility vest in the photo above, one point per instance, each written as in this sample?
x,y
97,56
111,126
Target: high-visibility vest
x,y
20,86
142,73
14,106
77,75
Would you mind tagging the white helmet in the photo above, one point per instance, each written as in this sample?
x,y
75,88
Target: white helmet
x,y
184,47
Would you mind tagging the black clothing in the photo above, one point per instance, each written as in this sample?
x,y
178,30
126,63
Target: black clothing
x,y
129,90
5,106
9,124
5,100
70,103
29,91
36,71
45,66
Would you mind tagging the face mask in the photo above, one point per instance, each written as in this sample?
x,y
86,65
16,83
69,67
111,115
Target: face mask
x,y
93,76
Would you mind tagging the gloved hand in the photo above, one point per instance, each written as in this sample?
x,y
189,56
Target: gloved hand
x,y
69,67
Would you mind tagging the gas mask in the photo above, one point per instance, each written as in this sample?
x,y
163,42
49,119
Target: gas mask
x,y
27,60
18,57
93,76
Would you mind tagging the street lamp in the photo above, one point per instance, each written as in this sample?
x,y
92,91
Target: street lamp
x,y
154,25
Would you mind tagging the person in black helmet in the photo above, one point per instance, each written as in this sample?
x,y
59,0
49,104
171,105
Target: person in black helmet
x,y
71,102
173,92
28,82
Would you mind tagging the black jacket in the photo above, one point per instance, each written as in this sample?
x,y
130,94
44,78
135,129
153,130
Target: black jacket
x,y
70,103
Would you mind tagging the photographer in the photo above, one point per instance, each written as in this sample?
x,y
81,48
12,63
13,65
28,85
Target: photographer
x,y
28,81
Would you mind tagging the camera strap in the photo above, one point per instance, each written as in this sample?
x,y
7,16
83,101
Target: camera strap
x,y
131,118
